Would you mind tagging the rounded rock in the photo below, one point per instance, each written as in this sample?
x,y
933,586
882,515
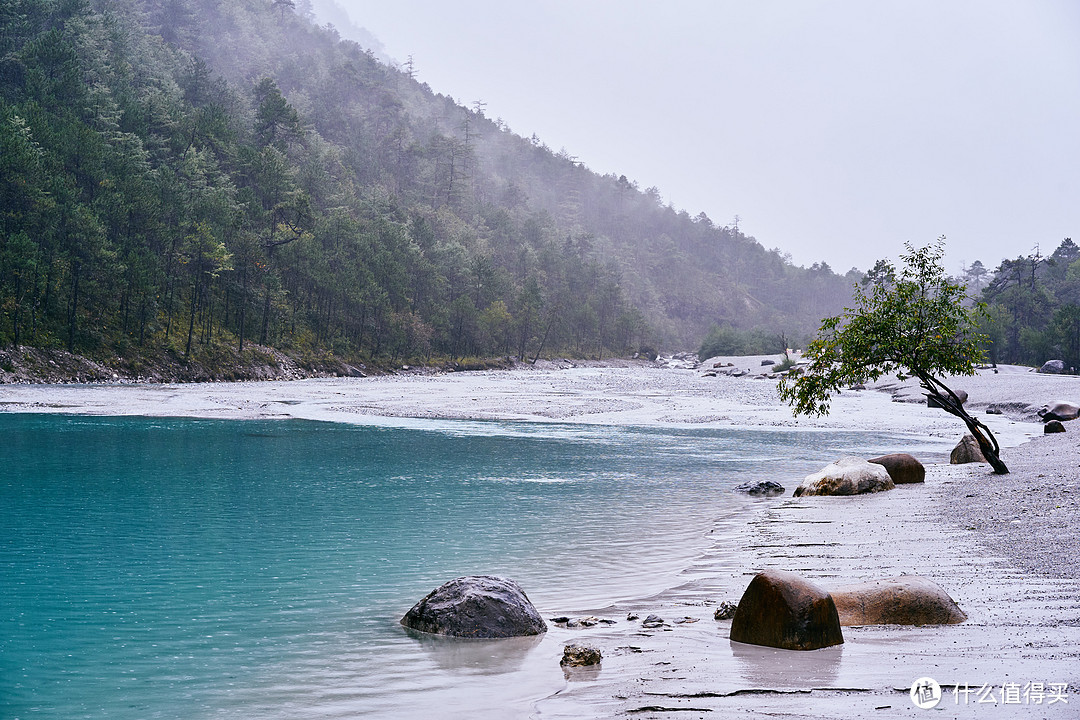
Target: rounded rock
x,y
846,476
967,451
476,606
902,468
782,610
1054,426
904,600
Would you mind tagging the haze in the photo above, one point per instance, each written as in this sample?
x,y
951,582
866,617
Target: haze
x,y
836,131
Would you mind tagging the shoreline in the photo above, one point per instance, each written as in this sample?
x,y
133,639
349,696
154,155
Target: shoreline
x,y
1005,547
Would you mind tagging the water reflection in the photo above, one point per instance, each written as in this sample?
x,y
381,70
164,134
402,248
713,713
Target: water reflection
x,y
488,657
768,667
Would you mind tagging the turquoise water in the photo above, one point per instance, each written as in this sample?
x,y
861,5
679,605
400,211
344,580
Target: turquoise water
x,y
157,568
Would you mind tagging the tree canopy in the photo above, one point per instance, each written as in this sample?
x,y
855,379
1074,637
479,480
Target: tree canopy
x,y
914,322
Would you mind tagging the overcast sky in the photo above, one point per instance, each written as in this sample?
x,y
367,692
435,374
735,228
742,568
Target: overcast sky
x,y
836,130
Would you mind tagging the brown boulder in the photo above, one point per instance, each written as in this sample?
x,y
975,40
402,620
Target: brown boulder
x,y
902,468
967,451
782,610
905,600
1054,426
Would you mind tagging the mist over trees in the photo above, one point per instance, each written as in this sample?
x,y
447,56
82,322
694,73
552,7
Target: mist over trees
x,y
195,175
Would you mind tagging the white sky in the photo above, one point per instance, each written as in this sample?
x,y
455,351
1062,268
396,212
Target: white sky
x,y
835,129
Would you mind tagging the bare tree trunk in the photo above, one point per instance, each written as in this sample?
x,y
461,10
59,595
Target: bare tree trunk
x,y
950,402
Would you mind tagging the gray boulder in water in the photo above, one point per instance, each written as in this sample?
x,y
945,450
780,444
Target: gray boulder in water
x,y
761,487
476,606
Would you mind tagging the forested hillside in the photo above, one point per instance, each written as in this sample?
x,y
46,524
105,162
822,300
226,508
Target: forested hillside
x,y
192,175
1033,304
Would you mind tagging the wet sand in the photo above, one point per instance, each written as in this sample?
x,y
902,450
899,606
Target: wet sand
x,y
1005,547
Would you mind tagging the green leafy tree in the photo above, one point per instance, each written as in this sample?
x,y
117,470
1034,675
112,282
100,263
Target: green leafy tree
x,y
916,325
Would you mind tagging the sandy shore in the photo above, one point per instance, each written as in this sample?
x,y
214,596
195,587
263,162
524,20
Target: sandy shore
x,y
1005,547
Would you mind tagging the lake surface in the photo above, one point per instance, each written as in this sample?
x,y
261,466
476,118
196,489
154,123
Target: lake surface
x,y
156,568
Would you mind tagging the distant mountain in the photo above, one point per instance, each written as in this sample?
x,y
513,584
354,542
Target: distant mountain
x,y
192,175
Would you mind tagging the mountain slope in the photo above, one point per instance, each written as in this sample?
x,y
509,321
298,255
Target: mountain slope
x,y
178,174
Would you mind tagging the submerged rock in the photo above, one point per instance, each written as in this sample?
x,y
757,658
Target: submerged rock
x,y
902,468
904,600
761,487
846,476
476,606
782,610
966,451
579,655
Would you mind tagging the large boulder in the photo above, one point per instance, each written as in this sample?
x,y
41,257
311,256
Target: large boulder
x,y
905,600
1055,367
846,476
476,606
966,451
1059,411
782,610
932,402
902,468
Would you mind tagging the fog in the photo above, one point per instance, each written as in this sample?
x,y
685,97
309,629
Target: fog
x,y
835,131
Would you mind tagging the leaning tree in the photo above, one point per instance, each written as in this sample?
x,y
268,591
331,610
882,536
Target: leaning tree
x,y
915,323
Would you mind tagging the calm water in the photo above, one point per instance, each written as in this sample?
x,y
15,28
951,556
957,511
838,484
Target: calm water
x,y
195,569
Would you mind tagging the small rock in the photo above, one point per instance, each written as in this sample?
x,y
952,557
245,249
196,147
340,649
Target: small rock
x,y
1054,426
578,655
761,487
685,620
993,410
725,611
652,621
632,616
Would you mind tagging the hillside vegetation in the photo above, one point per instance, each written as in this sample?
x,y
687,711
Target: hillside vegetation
x,y
191,176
